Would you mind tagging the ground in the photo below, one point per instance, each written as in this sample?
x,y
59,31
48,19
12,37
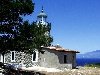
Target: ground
x,y
81,71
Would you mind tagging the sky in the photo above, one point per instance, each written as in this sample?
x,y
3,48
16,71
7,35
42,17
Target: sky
x,y
75,23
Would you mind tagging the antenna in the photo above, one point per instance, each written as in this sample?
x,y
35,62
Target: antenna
x,y
42,8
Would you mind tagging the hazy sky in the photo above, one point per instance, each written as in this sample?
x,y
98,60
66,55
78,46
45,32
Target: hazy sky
x,y
75,23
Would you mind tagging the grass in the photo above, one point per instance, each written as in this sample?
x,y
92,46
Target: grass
x,y
93,65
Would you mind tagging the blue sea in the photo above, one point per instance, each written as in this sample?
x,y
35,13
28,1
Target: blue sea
x,y
84,61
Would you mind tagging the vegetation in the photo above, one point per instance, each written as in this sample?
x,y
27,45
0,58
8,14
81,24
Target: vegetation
x,y
93,65
19,35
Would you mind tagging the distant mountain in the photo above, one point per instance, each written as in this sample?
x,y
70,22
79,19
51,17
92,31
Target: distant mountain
x,y
93,54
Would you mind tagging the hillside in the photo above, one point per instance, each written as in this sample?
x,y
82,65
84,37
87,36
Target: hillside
x,y
93,54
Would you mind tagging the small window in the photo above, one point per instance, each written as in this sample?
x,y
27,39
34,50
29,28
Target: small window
x,y
13,56
73,57
65,58
35,56
0,58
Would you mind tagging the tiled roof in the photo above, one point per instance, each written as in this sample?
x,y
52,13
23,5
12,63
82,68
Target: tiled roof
x,y
58,48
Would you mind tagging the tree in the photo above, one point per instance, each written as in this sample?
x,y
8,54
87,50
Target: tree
x,y
16,34
33,36
11,20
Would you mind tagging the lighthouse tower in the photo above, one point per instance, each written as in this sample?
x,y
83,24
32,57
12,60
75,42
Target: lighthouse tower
x,y
42,18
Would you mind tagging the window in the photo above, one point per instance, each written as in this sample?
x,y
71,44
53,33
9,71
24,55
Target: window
x,y
35,56
73,57
0,57
65,58
12,56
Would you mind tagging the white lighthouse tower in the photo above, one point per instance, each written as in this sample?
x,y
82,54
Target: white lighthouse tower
x,y
42,18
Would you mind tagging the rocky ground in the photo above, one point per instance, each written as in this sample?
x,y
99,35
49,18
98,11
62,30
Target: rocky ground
x,y
81,71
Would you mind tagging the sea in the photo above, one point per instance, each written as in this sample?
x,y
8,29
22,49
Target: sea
x,y
85,61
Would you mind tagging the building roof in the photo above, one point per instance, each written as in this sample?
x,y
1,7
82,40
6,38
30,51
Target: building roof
x,y
59,48
42,14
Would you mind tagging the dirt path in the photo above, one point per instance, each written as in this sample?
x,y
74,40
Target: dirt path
x,y
81,71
